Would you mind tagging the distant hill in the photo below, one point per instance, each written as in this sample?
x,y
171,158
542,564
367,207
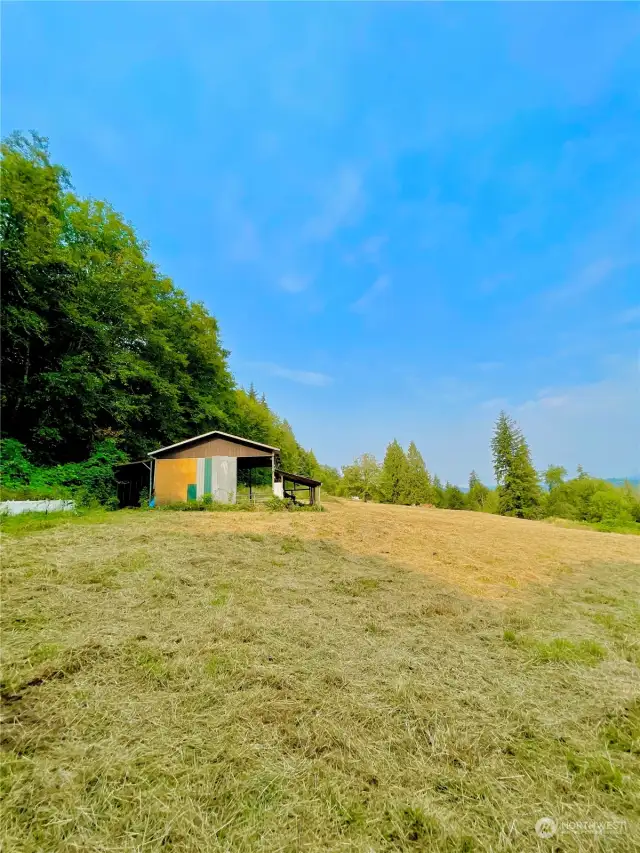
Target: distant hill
x,y
620,481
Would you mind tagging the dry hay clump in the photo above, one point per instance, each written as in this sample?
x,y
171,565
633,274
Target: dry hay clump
x,y
180,682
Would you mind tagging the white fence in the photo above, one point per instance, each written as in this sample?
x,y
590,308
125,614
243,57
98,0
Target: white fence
x,y
18,507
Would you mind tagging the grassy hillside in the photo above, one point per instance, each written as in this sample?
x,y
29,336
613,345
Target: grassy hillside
x,y
370,678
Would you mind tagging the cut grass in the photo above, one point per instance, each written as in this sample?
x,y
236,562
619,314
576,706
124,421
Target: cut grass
x,y
266,683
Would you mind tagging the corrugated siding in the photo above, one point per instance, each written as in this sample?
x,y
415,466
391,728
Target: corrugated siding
x,y
200,481
172,478
225,479
207,476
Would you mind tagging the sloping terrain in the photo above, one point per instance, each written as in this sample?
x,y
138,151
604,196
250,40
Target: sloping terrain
x,y
367,678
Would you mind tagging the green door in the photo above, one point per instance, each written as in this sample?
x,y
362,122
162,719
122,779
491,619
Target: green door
x,y
192,492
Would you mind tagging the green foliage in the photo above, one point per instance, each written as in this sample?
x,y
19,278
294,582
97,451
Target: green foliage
x,y
595,501
518,490
202,505
554,476
16,469
437,492
453,497
96,343
361,479
330,479
478,496
394,475
417,489
85,482
277,504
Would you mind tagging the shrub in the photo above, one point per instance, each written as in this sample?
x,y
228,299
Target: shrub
x,y
609,506
276,504
88,482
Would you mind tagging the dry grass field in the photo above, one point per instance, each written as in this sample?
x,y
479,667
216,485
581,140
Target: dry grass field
x,y
369,678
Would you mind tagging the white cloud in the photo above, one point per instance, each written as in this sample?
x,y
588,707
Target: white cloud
x,y
366,301
302,377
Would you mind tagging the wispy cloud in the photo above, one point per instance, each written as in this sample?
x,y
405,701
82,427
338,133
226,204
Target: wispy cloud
x,y
366,301
489,366
302,377
554,401
587,279
369,251
631,315
495,403
341,202
294,283
492,283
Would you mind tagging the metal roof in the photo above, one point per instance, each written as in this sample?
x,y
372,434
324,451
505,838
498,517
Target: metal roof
x,y
298,478
238,438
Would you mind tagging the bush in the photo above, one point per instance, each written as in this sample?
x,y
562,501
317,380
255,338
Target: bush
x,y
609,506
88,483
16,469
206,504
276,504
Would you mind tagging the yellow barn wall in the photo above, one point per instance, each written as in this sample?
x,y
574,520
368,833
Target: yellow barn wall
x,y
172,478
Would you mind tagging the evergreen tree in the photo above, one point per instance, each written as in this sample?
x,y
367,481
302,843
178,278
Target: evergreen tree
x,y
478,493
394,475
418,484
518,488
453,497
437,492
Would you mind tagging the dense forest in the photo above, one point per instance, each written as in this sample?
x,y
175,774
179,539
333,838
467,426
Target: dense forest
x,y
104,359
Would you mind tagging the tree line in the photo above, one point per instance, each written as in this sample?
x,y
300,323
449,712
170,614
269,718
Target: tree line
x,y
103,357
521,491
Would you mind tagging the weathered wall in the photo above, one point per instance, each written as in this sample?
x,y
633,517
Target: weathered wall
x,y
172,477
225,478
214,447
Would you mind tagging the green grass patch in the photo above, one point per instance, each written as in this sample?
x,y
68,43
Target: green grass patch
x,y
557,650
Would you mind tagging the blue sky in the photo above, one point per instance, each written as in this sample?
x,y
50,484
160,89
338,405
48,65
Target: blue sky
x,y
404,217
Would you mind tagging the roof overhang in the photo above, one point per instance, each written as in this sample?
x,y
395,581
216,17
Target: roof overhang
x,y
298,478
216,432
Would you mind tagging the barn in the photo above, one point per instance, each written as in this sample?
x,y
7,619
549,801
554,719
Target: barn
x,y
227,467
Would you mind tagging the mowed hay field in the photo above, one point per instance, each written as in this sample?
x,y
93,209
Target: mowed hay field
x,y
368,678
